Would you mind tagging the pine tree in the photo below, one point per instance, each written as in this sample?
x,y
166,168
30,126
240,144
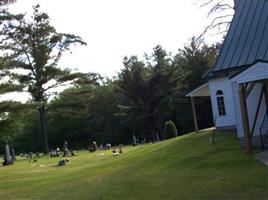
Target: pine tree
x,y
31,51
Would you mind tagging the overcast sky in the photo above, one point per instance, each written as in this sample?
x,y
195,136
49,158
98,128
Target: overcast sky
x,y
115,28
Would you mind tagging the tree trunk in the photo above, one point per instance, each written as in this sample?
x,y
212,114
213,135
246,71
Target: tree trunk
x,y
43,127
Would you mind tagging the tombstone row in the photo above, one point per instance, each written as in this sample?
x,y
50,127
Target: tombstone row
x,y
9,154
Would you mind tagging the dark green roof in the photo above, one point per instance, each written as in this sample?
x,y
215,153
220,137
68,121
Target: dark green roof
x,y
247,39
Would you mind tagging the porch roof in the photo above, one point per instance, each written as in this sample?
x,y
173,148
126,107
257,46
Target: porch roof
x,y
201,91
256,72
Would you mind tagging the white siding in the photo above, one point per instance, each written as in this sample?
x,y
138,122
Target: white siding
x,y
252,102
236,97
258,71
224,85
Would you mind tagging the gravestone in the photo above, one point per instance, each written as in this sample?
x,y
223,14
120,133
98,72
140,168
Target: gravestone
x,y
7,156
115,153
108,146
53,153
72,152
143,141
157,137
65,149
120,148
114,149
13,155
57,151
134,142
62,163
92,146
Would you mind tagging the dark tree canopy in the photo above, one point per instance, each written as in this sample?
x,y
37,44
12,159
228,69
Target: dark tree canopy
x,y
145,94
139,100
148,89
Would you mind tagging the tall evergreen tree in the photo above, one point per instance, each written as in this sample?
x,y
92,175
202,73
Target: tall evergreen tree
x,y
31,52
148,90
193,61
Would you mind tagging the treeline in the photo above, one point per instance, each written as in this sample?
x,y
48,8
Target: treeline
x,y
139,100
144,95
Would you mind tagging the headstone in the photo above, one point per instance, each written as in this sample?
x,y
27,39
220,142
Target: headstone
x,y
13,155
157,137
31,155
115,153
62,163
92,146
137,141
53,153
120,148
143,141
72,153
65,149
57,151
134,140
108,146
7,156
114,150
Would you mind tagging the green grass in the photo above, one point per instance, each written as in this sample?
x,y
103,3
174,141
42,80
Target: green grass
x,y
186,167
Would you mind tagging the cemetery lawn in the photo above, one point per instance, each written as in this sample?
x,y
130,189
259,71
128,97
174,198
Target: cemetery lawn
x,y
184,168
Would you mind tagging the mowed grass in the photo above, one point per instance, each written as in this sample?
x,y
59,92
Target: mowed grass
x,y
187,167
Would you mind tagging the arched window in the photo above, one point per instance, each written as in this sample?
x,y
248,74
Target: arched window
x,y
220,102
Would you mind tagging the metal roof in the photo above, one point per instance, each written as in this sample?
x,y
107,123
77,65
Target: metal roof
x,y
247,39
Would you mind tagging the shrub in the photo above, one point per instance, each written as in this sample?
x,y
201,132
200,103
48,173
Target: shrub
x,y
170,130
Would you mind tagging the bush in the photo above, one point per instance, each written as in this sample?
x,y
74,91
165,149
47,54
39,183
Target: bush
x,y
170,130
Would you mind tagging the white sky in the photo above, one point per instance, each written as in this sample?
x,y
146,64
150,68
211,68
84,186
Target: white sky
x,y
115,28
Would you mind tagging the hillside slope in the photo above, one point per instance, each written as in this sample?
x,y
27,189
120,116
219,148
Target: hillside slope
x,y
186,167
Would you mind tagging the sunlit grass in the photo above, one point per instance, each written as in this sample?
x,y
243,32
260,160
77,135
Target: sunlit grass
x,y
186,167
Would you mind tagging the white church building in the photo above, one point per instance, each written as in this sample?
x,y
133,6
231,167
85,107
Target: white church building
x,y
238,82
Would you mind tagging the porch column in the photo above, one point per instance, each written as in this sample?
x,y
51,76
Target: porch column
x,y
265,85
245,120
194,114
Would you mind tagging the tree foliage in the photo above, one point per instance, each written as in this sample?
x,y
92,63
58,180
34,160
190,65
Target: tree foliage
x,y
31,51
193,61
138,101
148,90
145,95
